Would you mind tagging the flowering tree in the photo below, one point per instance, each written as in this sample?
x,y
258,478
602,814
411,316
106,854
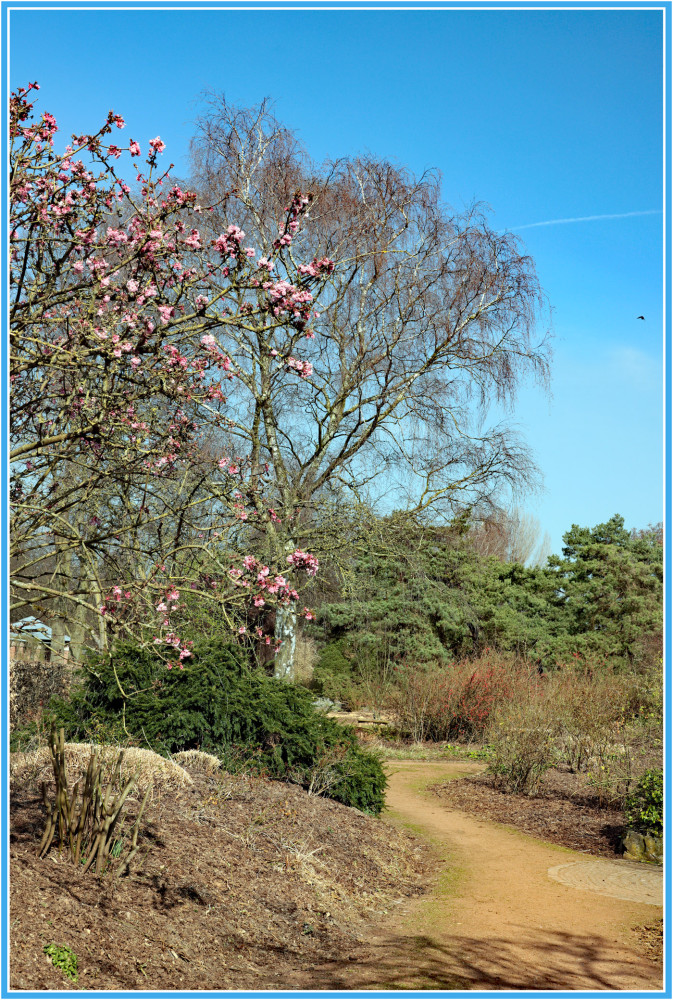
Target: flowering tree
x,y
121,494
424,318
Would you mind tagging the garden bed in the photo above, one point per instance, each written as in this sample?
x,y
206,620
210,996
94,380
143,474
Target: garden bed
x,y
565,811
249,884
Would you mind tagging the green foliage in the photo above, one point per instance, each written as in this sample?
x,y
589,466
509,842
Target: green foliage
x,y
332,672
28,736
63,958
423,595
217,704
609,588
645,805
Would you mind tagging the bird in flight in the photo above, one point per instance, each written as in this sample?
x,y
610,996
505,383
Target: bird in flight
x,y
640,317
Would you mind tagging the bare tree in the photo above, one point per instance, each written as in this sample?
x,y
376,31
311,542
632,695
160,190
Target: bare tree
x,y
423,319
511,536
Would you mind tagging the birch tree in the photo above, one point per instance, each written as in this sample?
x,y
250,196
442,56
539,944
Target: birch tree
x,y
423,318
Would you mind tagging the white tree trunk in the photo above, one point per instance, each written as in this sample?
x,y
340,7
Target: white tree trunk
x,y
286,633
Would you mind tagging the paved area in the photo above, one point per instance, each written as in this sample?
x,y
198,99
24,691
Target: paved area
x,y
638,883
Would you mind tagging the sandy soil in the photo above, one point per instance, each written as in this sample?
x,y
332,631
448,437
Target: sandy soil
x,y
495,919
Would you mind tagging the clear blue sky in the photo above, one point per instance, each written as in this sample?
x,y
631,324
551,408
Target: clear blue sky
x,y
542,114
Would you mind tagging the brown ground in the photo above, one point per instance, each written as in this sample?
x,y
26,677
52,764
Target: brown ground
x,y
496,920
249,885
565,811
255,885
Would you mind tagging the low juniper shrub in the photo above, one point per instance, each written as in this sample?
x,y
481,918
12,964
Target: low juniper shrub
x,y
219,705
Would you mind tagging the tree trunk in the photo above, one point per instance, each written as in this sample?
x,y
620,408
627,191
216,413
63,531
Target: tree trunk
x,y
286,633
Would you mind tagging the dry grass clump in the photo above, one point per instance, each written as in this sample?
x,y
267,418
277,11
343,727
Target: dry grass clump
x,y
197,759
152,769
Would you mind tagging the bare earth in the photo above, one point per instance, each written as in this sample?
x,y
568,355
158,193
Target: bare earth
x,y
496,919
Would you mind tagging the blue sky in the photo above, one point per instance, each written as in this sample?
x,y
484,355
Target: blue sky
x,y
542,114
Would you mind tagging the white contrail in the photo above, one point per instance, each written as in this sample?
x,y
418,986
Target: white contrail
x,y
587,218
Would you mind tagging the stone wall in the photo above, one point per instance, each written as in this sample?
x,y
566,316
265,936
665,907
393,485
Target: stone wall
x,y
33,679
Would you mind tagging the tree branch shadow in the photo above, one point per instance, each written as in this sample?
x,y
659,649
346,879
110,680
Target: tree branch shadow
x,y
541,960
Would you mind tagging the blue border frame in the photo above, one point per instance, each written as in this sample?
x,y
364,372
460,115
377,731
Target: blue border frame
x,y
6,6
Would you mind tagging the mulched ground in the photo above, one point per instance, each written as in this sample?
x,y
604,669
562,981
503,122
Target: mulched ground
x,y
651,939
244,884
563,812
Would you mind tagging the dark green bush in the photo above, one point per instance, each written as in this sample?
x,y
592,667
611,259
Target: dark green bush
x,y
219,705
333,672
645,805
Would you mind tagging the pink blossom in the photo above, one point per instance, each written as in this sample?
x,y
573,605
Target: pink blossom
x,y
157,145
304,560
208,340
134,148
303,368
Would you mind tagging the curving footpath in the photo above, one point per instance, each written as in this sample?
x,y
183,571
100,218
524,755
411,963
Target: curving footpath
x,y
507,912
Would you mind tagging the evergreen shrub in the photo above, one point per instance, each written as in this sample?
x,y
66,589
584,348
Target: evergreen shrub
x,y
645,805
219,705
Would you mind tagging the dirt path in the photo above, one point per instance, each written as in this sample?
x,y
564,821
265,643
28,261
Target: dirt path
x,y
496,919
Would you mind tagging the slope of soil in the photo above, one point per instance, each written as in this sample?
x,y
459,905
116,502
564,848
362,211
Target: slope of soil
x,y
248,884
495,920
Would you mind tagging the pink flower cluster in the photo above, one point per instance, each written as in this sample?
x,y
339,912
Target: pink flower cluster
x,y
229,243
317,267
286,297
260,577
113,598
305,561
288,230
303,368
193,241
